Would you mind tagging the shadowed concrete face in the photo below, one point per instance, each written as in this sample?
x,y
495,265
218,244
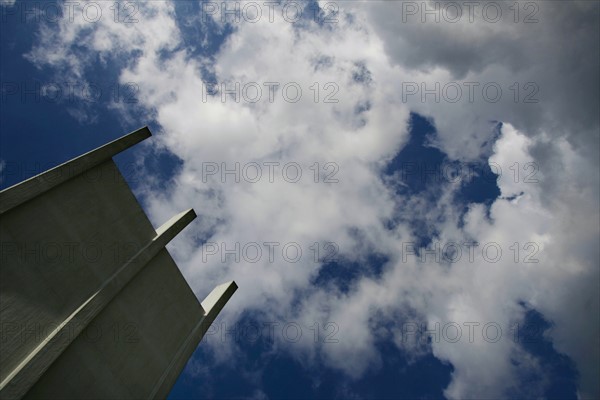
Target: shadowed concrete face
x,y
92,304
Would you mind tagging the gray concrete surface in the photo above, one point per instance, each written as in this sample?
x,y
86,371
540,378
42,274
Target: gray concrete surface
x,y
91,303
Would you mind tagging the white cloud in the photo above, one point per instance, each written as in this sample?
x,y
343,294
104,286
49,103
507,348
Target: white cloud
x,y
489,50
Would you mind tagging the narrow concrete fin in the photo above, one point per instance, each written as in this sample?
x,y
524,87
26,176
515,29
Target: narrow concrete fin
x,y
212,304
178,222
215,301
28,189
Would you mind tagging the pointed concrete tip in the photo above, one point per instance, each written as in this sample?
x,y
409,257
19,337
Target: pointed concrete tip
x,y
144,131
177,222
229,283
214,302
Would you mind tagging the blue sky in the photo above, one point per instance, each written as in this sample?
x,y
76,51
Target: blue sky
x,y
430,211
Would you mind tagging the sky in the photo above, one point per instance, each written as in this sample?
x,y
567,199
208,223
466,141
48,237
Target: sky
x,y
406,192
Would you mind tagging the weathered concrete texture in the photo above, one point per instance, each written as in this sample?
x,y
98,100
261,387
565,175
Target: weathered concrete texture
x,y
91,303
